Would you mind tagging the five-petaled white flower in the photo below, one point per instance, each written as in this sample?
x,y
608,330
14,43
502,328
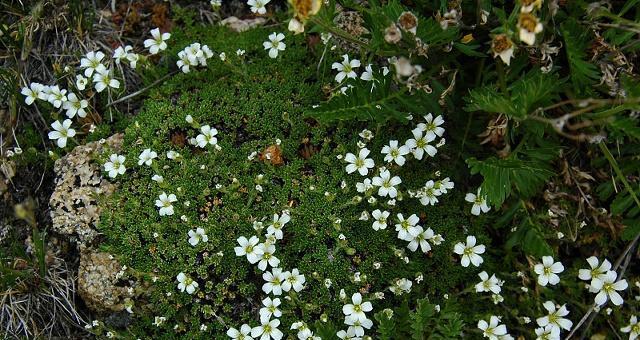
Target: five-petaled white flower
x,y
555,318
395,153
274,44
608,288
269,309
404,225
488,284
275,228
386,184
492,329
419,144
633,328
479,202
432,126
469,252
249,248
360,163
146,157
267,330
74,106
265,251
92,62
186,283
547,332
158,43
120,53
547,271
274,280
380,219
62,132
345,68
81,82
244,333
596,272
357,309
115,165
293,279
164,202
258,6
31,93
197,236
207,136
56,96
420,237
104,79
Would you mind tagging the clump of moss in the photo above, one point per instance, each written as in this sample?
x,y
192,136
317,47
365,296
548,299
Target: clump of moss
x,y
257,105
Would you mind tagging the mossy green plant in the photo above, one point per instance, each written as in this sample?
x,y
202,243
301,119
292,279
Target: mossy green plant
x,y
256,104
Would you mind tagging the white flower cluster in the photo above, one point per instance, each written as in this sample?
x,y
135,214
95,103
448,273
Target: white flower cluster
x,y
192,56
356,318
276,281
94,67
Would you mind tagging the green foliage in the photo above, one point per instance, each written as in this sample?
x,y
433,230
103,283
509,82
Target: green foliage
x,y
583,72
524,175
425,321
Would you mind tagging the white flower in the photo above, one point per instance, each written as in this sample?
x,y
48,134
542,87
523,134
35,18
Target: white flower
x,y
492,329
633,328
607,289
363,186
548,332
444,185
249,248
360,163
74,106
395,153
158,43
164,202
357,309
157,178
270,309
419,144
258,6
92,62
428,195
274,44
115,165
307,334
133,59
350,334
275,228
196,236
596,272
81,82
120,53
186,283
207,136
470,252
243,334
547,271
488,284
386,184
103,79
403,226
293,279
265,252
555,317
61,132
401,286
274,280
345,68
367,75
358,326
267,330
56,96
380,219
479,202
420,237
528,27
31,93
146,157
432,126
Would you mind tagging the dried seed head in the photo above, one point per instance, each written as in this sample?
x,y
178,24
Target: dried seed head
x,y
392,34
408,22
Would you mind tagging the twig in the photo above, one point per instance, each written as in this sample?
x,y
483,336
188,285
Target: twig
x,y
129,96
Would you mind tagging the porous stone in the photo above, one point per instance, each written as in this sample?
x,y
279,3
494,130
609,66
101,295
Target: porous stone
x,y
240,25
98,277
79,182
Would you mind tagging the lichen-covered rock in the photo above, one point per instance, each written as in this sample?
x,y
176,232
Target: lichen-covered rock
x,y
240,25
98,276
74,208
